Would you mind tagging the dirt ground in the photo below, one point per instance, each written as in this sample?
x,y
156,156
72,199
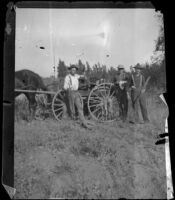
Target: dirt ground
x,y
114,160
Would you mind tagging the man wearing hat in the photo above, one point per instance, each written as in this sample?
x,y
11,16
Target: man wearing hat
x,y
71,85
138,94
122,94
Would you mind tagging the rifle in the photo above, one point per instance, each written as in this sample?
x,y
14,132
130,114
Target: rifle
x,y
144,87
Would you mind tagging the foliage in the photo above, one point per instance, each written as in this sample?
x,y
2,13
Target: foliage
x,y
99,71
157,72
159,51
61,69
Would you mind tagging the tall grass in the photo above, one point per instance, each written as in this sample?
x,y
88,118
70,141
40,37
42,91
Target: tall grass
x,y
21,108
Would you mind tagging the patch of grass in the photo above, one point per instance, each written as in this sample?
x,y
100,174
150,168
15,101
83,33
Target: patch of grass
x,y
65,128
21,109
65,167
157,111
73,150
27,186
87,146
81,190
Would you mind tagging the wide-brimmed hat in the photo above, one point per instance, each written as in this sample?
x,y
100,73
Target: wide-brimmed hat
x,y
73,66
120,67
138,67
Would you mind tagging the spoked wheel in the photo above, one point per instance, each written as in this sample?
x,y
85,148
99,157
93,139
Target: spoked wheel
x,y
58,105
102,104
41,108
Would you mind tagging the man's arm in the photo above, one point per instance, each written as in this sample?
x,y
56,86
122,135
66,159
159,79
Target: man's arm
x,y
132,82
129,84
66,83
145,84
82,76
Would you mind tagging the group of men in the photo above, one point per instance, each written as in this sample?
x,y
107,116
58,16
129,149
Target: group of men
x,y
131,87
126,88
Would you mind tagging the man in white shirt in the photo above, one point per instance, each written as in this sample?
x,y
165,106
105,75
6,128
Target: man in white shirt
x,y
71,85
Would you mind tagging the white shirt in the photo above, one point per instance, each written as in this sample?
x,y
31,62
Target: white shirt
x,y
71,82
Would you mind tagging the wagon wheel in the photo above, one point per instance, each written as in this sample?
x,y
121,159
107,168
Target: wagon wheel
x,y
102,104
41,106
58,105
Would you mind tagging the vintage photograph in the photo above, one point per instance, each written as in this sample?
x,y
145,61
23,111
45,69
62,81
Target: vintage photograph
x,y
88,116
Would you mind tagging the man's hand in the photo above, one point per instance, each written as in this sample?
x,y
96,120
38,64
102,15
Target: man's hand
x,y
133,87
83,76
143,90
122,82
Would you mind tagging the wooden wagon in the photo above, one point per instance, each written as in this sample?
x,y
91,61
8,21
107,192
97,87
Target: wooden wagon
x,y
100,100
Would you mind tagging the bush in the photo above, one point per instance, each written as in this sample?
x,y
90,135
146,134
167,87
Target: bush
x,y
157,73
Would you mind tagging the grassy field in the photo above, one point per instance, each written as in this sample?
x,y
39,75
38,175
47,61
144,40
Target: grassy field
x,y
114,160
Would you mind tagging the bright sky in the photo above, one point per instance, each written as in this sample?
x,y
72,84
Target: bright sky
x,y
126,35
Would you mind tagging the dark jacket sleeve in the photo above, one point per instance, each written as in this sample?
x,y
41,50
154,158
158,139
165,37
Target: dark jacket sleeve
x,y
113,90
129,83
143,81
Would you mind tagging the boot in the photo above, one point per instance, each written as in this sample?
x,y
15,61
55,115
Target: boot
x,y
86,125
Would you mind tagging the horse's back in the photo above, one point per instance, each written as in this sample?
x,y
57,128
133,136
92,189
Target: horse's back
x,y
30,78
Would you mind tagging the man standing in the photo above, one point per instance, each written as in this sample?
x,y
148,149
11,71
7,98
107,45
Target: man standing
x,y
138,94
71,84
122,94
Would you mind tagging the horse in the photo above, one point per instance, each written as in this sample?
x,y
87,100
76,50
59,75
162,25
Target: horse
x,y
29,80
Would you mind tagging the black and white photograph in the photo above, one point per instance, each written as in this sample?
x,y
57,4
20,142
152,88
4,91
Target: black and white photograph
x,y
88,113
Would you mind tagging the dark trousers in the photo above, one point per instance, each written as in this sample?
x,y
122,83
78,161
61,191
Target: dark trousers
x,y
123,103
139,99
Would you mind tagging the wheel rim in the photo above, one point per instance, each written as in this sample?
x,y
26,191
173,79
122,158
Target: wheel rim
x,y
58,105
102,104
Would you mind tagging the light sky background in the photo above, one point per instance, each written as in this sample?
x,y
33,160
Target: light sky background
x,y
126,35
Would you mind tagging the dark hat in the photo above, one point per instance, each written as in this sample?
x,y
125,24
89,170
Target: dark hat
x,y
73,66
138,67
120,67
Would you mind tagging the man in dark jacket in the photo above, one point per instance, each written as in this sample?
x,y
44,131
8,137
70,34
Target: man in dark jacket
x,y
122,84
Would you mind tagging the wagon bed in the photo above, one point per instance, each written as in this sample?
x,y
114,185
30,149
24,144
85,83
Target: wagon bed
x,y
100,99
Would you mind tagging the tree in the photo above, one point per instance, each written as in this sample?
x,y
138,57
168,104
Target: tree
x,y
159,51
81,67
104,72
157,68
88,70
62,69
112,72
160,42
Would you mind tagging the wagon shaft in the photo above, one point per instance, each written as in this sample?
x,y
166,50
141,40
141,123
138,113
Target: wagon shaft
x,y
34,91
